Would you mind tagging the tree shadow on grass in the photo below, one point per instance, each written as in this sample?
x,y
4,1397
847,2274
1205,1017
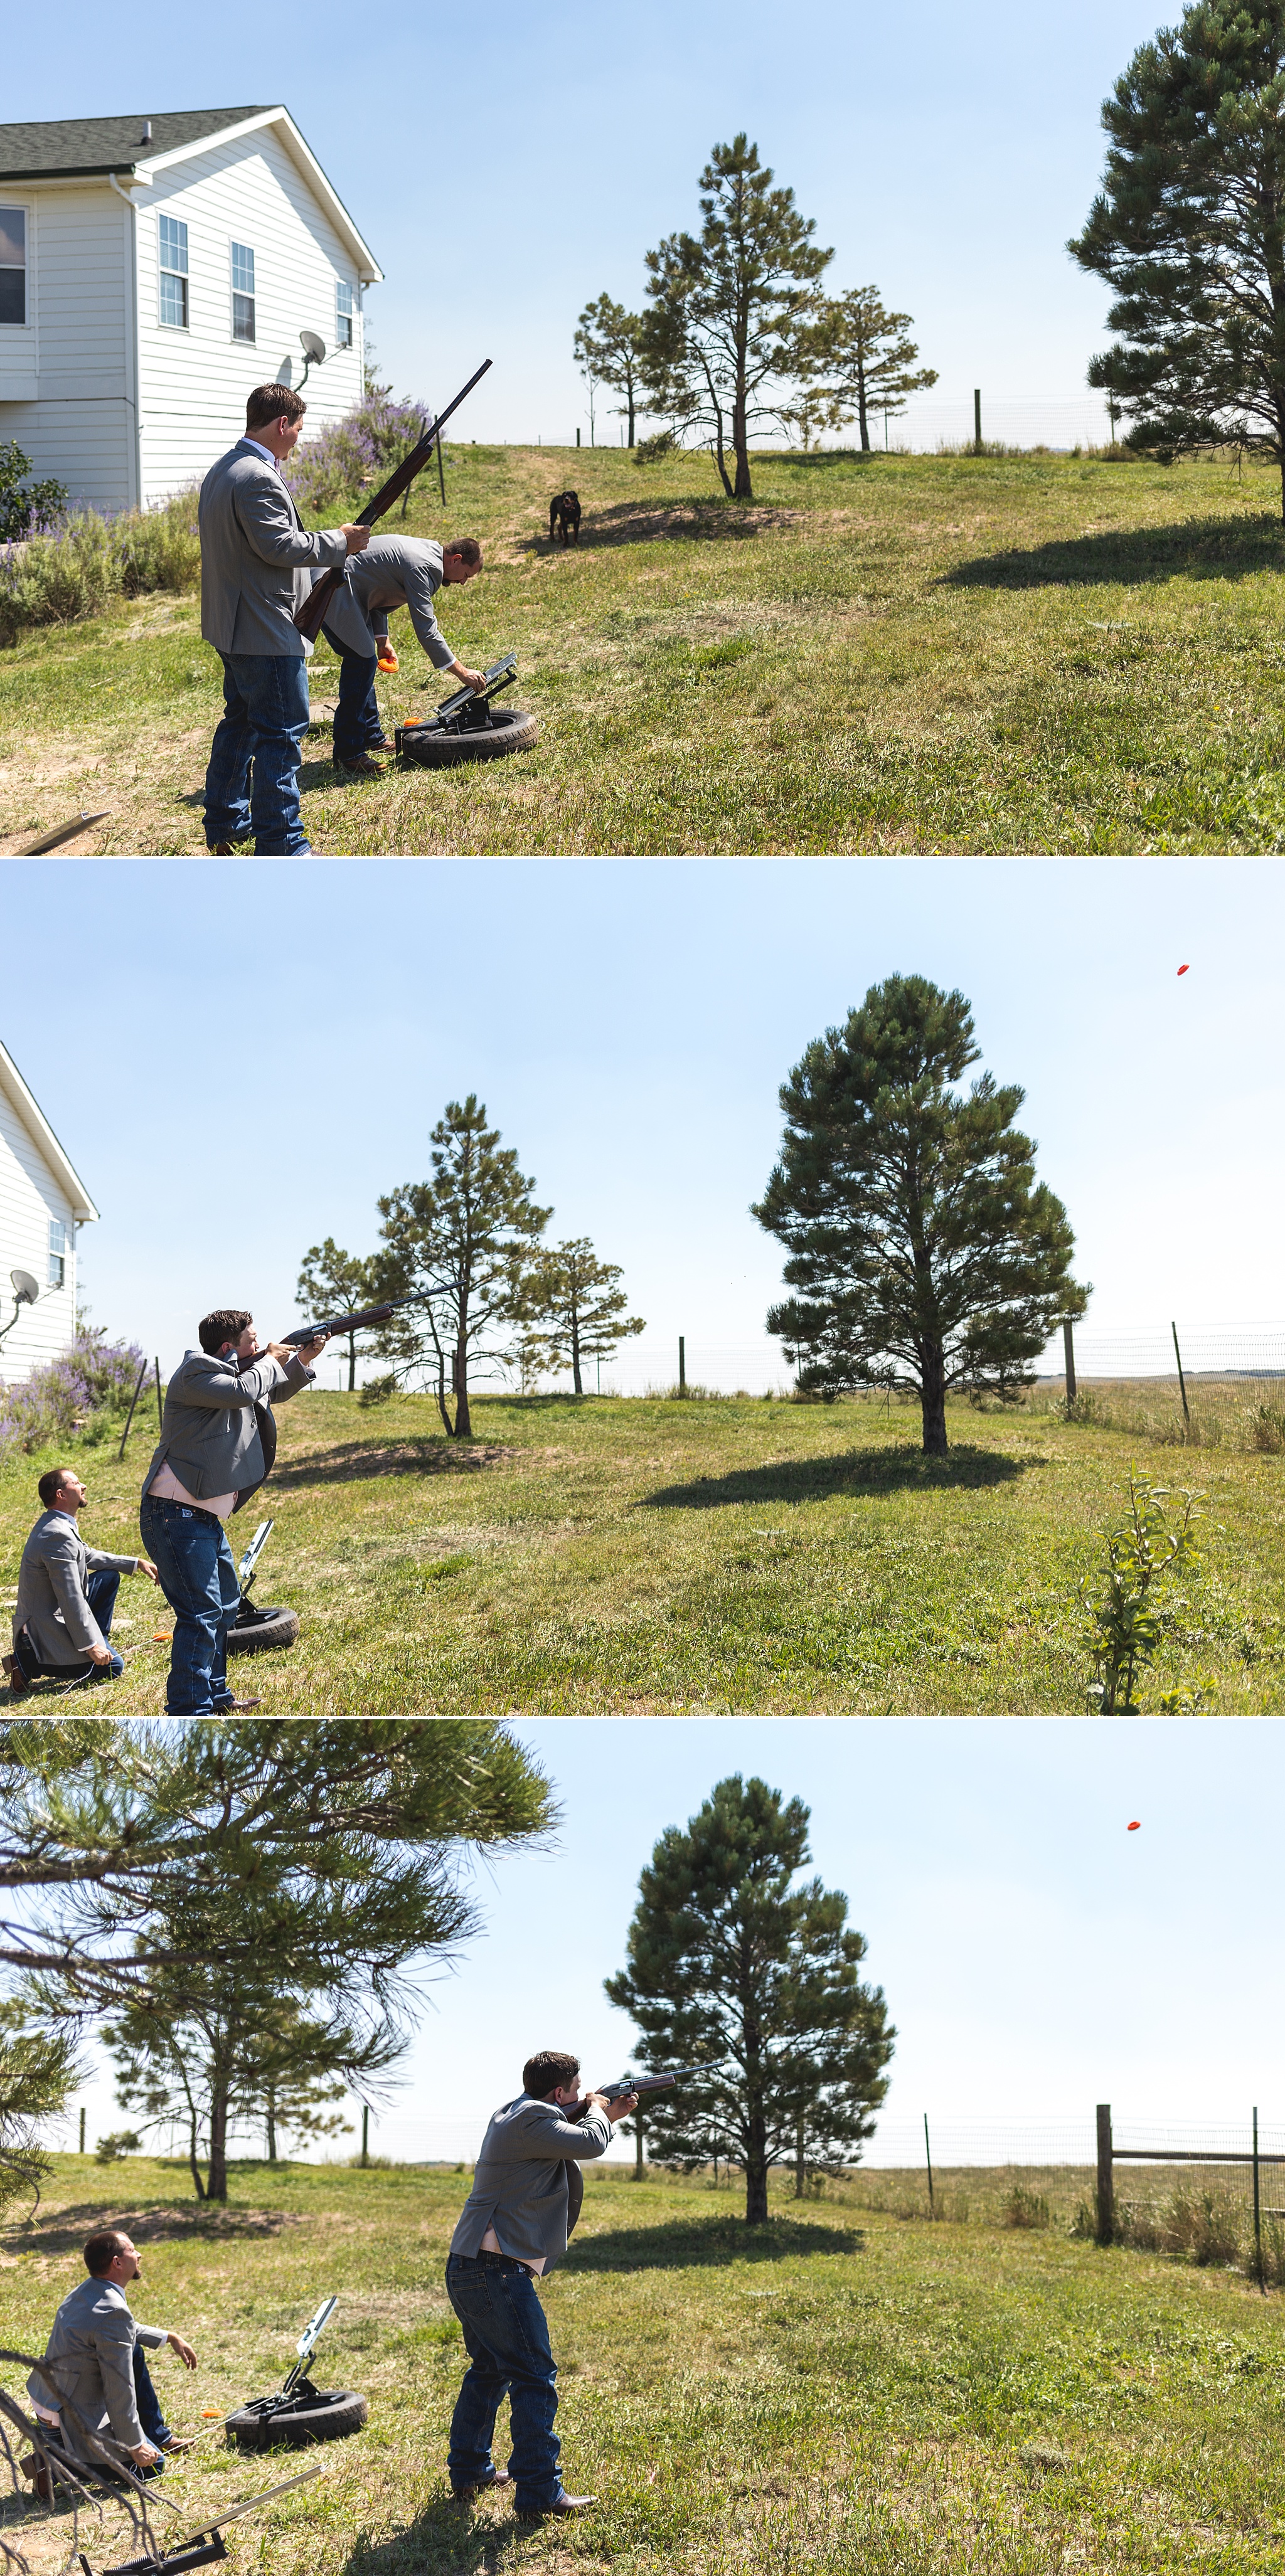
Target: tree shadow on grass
x,y
852,1471
711,2240
354,1459
631,523
1193,550
64,2232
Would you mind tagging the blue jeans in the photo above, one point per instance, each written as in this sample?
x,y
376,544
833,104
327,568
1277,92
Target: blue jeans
x,y
357,723
155,2428
506,2338
258,747
190,1551
101,1588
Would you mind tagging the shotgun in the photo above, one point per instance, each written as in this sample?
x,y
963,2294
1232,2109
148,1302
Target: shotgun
x,y
308,617
355,1323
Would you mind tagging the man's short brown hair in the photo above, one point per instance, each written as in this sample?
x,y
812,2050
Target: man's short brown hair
x,y
101,2250
468,550
51,1484
272,402
549,2067
226,1324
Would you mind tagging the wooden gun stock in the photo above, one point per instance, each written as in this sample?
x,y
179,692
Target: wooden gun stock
x,y
310,616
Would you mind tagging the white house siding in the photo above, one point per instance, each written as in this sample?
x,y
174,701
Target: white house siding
x,y
65,388
193,383
29,1197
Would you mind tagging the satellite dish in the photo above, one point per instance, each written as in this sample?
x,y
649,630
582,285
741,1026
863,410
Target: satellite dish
x,y
25,1288
314,350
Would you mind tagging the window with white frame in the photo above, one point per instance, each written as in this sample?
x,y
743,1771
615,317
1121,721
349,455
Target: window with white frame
x,y
13,266
57,1252
343,315
242,292
173,256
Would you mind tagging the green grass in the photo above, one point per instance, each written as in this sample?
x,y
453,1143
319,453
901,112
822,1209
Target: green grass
x,y
899,654
837,2391
637,1555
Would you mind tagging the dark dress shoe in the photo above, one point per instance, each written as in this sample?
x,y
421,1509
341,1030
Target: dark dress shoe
x,y
362,767
481,2486
18,1682
562,2503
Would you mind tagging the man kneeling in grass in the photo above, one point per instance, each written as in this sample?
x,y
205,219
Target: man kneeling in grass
x,y
394,572
527,2190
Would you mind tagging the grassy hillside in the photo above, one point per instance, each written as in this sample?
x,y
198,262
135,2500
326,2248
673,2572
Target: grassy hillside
x,y
840,2390
640,1555
895,654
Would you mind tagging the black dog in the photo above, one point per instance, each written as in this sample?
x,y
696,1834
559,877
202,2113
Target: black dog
x,y
564,516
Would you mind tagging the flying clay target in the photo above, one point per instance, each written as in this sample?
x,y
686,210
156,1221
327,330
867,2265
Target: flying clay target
x,y
1135,1827
1184,970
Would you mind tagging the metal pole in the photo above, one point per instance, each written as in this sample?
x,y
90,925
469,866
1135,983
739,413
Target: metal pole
x,y
682,1365
82,2128
1258,2215
1068,1346
365,2133
1182,1383
928,2159
1106,2177
977,418
133,1401
638,2148
157,1367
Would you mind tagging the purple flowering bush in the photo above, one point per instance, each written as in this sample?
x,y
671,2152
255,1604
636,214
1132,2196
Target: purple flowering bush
x,y
79,1393
352,453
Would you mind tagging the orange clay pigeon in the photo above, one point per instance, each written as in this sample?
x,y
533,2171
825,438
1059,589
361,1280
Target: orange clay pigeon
x,y
1184,970
387,659
1135,1827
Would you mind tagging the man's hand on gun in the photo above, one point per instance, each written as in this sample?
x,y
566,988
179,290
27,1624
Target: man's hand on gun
x,y
617,2106
305,1351
357,537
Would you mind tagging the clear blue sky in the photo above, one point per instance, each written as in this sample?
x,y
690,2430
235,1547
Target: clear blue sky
x,y
506,166
239,1058
1036,1956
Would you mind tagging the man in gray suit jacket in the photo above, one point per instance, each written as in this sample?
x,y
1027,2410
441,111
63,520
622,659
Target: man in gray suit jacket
x,y
97,2368
394,572
255,553
66,1594
513,2226
217,1445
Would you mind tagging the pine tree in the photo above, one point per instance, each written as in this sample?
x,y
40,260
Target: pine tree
x,y
865,355
38,2069
728,307
735,1966
609,347
1189,232
334,1282
929,1255
574,1307
461,1240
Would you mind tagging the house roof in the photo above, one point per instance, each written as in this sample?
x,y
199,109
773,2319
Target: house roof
x,y
43,1137
136,147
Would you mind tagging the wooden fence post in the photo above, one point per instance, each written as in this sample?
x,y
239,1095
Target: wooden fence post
x,y
682,1365
130,1416
1106,2177
1068,1346
928,2159
977,418
1182,1383
639,2150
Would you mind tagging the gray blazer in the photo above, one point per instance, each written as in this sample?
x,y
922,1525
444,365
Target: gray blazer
x,y
393,572
91,2354
253,549
212,1428
520,2179
51,1603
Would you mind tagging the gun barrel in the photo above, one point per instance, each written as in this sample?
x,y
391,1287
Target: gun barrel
x,y
308,617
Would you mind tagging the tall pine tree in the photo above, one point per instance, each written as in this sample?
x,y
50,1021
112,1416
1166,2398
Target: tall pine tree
x,y
461,1241
928,1254
736,1965
1189,232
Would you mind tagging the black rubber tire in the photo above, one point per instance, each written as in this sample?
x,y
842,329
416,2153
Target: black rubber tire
x,y
328,2417
510,730
277,1627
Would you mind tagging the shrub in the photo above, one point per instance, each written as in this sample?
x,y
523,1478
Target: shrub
x,y
652,451
77,1392
377,1390
117,2143
1025,2208
1267,1429
71,570
348,454
24,505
